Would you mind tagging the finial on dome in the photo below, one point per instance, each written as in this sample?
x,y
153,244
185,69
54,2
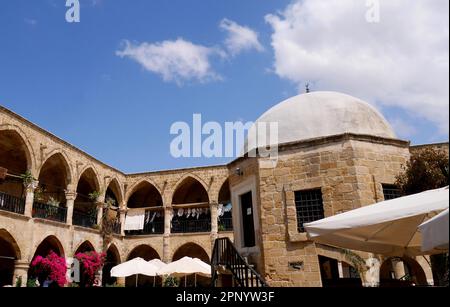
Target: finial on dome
x,y
307,87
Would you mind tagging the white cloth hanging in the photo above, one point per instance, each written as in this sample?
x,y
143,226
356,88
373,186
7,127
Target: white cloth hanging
x,y
153,217
135,220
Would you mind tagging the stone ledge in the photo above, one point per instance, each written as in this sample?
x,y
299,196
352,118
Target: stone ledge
x,y
15,215
190,234
298,237
86,229
50,222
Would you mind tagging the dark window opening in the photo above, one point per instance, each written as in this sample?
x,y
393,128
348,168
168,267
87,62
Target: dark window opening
x,y
391,191
309,206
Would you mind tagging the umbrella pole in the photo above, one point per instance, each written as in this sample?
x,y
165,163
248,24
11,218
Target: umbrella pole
x,y
185,277
195,278
137,280
154,278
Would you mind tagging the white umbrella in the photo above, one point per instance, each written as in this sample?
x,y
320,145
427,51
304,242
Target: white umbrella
x,y
186,266
159,264
135,266
435,233
388,227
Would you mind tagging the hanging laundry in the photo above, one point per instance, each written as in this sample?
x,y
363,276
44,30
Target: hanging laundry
x,y
135,220
228,208
180,212
153,217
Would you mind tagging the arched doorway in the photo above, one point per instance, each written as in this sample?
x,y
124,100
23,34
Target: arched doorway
x,y
14,157
9,253
84,248
49,197
147,253
336,273
225,217
191,207
146,200
193,250
85,207
112,259
401,272
113,198
48,245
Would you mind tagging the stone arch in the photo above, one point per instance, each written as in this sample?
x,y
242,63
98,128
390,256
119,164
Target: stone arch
x,y
65,161
16,157
28,148
93,173
84,247
7,237
224,191
147,252
54,176
393,267
349,260
85,208
51,242
136,185
9,252
112,259
116,189
145,192
182,191
191,249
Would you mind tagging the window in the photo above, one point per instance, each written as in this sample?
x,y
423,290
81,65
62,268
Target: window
x,y
390,191
309,206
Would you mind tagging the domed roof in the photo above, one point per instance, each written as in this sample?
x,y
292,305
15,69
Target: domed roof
x,y
321,114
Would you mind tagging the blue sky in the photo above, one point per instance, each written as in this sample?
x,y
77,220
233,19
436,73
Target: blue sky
x,y
70,80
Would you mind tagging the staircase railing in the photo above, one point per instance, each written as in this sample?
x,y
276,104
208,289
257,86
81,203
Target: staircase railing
x,y
226,255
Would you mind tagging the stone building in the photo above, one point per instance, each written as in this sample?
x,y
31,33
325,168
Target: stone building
x,y
335,153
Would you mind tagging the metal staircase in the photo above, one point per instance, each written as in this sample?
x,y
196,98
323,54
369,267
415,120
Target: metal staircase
x,y
226,256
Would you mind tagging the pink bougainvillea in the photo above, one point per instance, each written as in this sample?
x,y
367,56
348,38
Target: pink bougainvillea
x,y
52,266
92,262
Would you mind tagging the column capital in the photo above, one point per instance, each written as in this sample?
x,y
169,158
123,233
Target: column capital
x,y
71,195
21,265
31,185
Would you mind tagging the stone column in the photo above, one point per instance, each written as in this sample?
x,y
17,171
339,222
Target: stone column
x,y
214,223
70,203
29,198
99,205
168,214
122,213
341,270
21,271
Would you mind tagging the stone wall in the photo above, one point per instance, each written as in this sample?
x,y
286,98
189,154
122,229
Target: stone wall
x,y
347,169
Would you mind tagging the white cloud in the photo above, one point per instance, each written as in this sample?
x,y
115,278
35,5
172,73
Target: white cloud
x,y
176,61
402,61
239,38
403,128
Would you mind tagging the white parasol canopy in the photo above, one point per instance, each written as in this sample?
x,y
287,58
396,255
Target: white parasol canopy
x,y
134,267
186,266
388,227
435,233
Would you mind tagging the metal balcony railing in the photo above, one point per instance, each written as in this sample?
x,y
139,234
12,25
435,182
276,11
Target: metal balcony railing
x,y
226,224
191,225
83,219
11,203
49,212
